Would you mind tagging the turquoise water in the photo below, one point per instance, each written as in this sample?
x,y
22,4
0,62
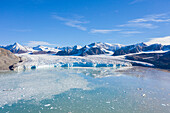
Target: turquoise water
x,y
85,90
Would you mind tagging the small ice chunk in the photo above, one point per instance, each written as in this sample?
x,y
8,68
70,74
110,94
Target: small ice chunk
x,y
112,107
163,105
52,108
47,105
108,102
144,95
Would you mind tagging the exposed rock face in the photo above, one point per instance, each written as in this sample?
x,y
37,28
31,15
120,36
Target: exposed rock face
x,y
166,47
76,50
153,47
7,59
160,60
92,51
64,53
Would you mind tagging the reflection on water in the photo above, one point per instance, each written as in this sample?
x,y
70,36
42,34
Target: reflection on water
x,y
79,90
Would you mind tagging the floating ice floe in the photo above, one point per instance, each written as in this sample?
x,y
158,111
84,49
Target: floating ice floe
x,y
38,85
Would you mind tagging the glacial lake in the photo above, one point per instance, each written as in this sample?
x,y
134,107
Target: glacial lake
x,y
85,90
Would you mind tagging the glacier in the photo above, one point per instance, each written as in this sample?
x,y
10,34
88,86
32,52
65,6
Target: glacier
x,y
52,61
92,61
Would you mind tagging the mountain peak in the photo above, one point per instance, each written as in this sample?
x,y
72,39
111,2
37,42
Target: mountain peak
x,y
16,43
16,48
141,44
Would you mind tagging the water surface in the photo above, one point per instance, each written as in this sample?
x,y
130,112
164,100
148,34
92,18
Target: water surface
x,y
85,90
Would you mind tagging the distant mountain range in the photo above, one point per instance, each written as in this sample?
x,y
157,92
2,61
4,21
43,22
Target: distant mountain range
x,y
141,47
91,49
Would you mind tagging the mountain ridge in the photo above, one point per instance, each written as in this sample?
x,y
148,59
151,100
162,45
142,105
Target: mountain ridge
x,y
95,48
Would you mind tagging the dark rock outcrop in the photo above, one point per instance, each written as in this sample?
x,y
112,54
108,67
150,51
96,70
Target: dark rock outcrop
x,y
166,47
43,52
130,49
160,60
153,47
64,53
92,51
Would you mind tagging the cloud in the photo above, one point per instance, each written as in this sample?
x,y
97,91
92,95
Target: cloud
x,y
136,1
104,31
36,43
131,32
160,40
148,21
72,23
22,30
139,25
153,18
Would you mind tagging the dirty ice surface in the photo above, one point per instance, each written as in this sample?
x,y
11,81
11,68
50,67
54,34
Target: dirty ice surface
x,y
85,90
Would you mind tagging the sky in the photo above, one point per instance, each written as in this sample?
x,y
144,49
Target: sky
x,y
81,22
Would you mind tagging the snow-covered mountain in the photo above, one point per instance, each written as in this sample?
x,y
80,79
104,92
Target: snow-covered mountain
x,y
44,48
91,49
77,47
130,49
16,48
141,47
106,47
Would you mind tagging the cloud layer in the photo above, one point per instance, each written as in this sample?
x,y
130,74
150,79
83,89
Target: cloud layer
x,y
72,23
161,40
148,21
104,31
36,43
